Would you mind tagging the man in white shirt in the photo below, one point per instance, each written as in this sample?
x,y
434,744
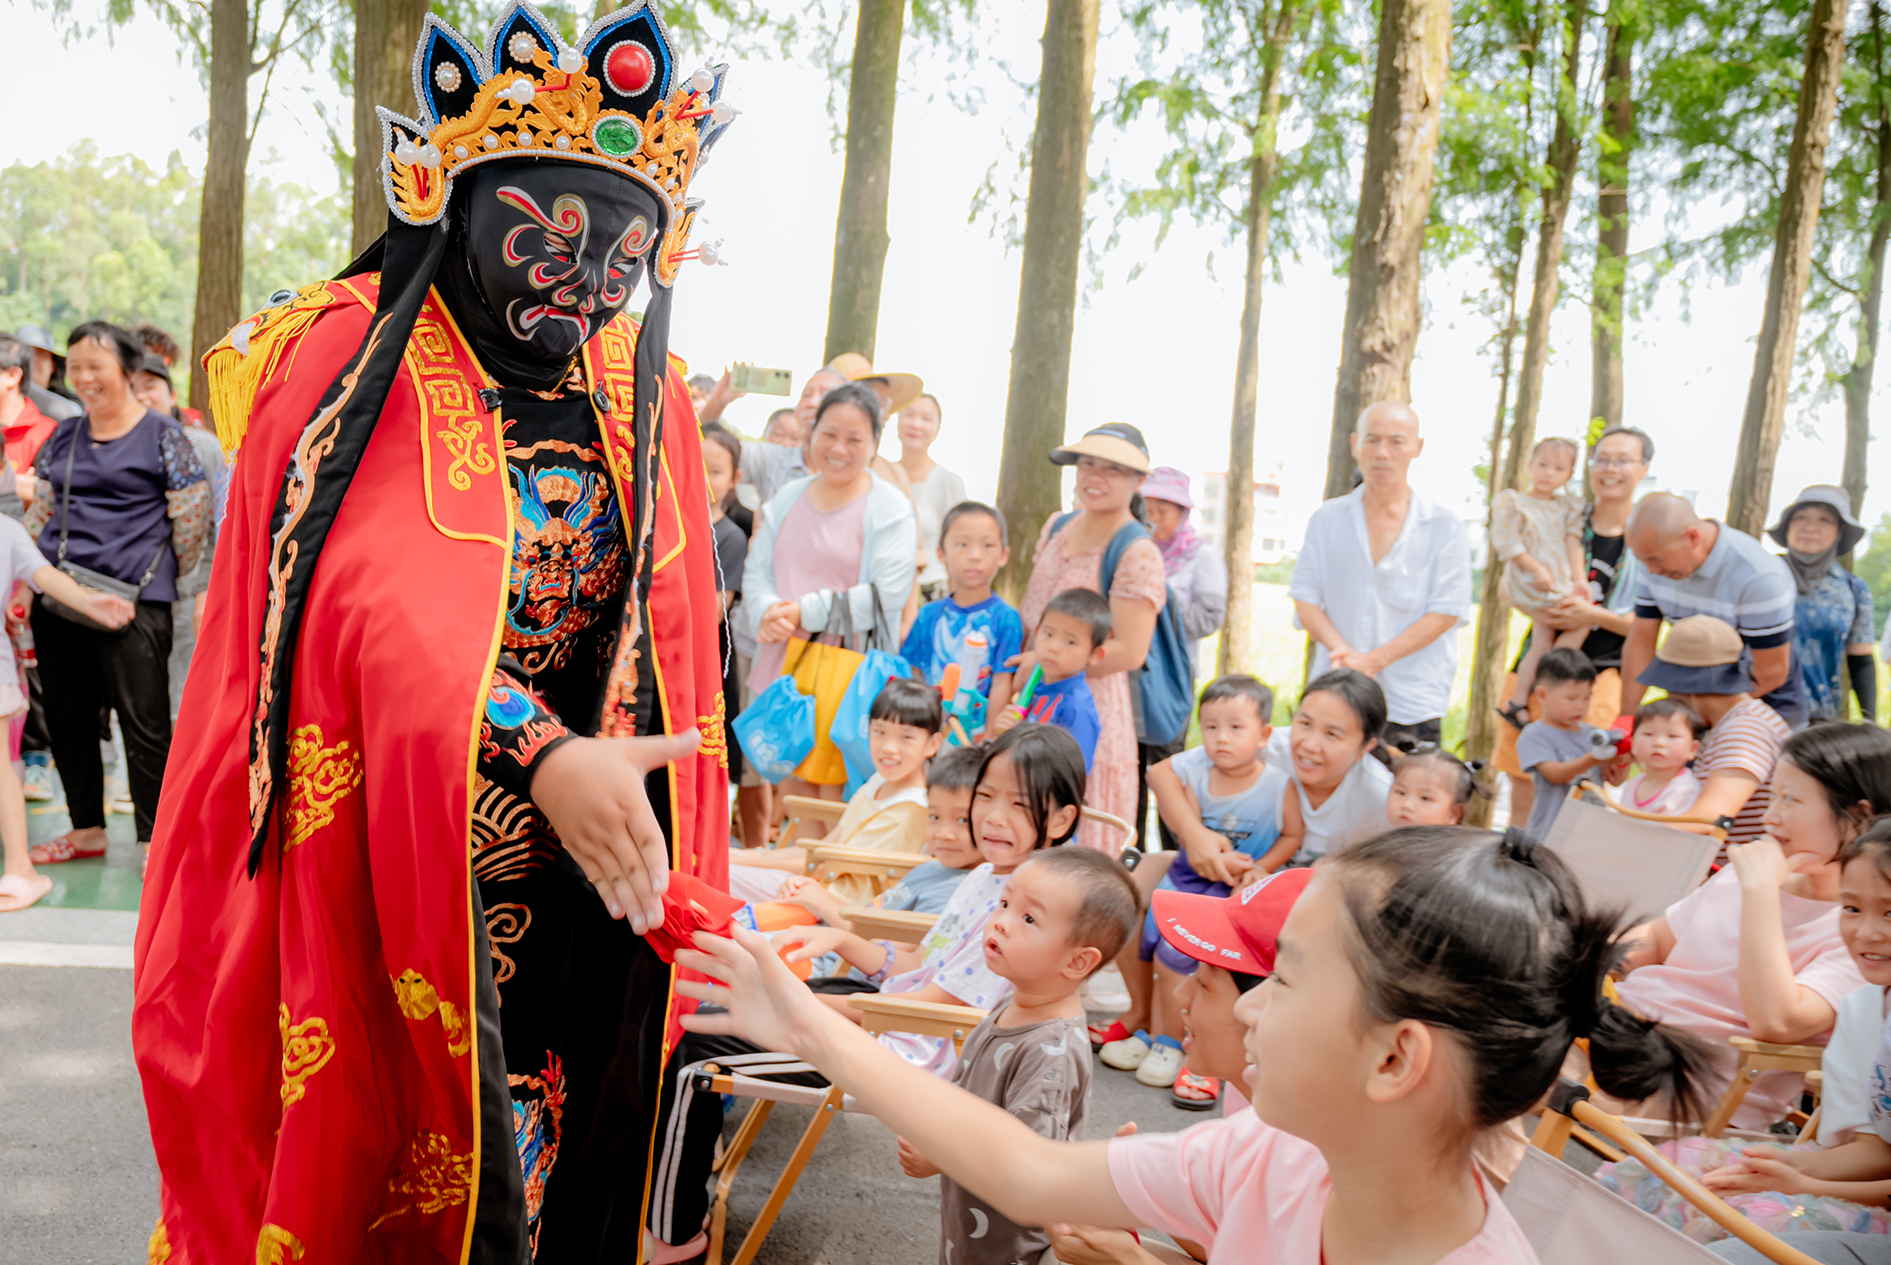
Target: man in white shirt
x,y
1384,575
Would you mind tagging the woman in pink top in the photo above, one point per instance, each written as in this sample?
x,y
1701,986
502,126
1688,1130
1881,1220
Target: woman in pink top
x,y
1755,950
833,550
1426,986
1111,462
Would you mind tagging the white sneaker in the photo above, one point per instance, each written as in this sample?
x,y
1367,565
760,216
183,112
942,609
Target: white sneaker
x,y
1105,991
1163,1064
36,780
1126,1055
121,803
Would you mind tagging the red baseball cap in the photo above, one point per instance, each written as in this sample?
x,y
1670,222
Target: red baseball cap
x,y
1236,932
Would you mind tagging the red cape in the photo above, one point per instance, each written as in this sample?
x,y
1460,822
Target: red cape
x,y
305,1038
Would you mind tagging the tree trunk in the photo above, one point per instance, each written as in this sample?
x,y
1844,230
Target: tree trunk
x,y
1493,621
1565,147
220,223
1857,381
385,34
860,237
1382,286
1613,148
1237,633
1752,486
1028,484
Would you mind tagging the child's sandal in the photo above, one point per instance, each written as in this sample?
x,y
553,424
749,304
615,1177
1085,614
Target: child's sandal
x,y
1518,714
1195,1093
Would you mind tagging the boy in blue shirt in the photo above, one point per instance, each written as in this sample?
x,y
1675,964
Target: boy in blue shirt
x,y
1070,637
970,626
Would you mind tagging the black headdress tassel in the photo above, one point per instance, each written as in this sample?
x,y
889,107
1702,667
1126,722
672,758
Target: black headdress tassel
x,y
321,467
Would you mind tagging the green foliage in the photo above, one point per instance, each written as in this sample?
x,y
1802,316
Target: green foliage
x,y
1201,72
1874,568
1720,99
1274,572
88,237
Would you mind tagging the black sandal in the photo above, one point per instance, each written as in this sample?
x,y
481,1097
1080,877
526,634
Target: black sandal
x,y
1518,714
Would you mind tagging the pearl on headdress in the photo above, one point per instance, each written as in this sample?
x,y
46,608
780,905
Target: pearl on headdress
x,y
702,81
491,141
447,76
459,152
722,113
562,141
709,255
570,61
430,154
522,46
522,91
406,153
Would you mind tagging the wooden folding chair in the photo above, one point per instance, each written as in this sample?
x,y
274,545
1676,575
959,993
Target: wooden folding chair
x,y
901,926
1113,822
1569,1104
879,1014
1757,1057
882,870
802,809
1630,860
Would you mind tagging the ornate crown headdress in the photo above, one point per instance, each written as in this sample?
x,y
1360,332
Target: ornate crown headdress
x,y
614,101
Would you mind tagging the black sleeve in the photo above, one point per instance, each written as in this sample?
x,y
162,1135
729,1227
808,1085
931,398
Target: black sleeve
x,y
517,731
1864,684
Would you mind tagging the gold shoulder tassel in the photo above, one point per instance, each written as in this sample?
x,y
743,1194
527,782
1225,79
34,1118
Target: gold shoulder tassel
x,y
240,364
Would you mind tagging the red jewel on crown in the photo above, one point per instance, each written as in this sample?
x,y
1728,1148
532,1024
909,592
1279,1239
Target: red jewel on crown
x,y
630,68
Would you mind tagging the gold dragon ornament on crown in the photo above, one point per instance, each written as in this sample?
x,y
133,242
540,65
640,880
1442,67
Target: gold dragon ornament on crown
x,y
558,113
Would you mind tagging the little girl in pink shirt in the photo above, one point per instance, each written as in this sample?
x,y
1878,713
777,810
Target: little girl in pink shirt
x,y
1667,738
1425,988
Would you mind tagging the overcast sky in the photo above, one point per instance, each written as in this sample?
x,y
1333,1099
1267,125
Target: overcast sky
x,y
1158,351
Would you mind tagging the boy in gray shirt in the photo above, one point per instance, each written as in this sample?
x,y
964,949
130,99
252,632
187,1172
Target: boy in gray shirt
x,y
1556,750
1066,912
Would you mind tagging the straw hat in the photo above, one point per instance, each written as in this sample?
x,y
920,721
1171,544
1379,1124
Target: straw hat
x,y
902,388
1117,441
1701,655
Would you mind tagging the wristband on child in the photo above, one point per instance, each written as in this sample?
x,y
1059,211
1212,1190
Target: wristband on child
x,y
886,947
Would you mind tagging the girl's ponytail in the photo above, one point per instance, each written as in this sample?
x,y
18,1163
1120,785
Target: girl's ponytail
x,y
1488,937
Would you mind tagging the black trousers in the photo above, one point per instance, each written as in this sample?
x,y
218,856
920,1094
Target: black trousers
x,y
83,670
690,1121
1146,755
1424,733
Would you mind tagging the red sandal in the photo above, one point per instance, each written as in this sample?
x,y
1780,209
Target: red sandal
x,y
1188,1085
62,849
1101,1035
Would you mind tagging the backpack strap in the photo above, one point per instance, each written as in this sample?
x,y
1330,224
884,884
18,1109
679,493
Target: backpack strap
x,y
1126,535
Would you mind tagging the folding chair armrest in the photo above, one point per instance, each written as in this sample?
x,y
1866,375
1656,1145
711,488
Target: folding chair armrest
x,y
840,859
1767,1057
881,1013
1113,822
897,925
807,808
1601,791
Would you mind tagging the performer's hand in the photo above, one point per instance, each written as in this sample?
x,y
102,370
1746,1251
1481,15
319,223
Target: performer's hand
x,y
591,791
762,1000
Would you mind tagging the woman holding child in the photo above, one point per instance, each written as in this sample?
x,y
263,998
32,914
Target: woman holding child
x,y
1112,462
834,552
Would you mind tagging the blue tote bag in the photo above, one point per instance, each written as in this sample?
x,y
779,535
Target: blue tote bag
x,y
852,717
776,730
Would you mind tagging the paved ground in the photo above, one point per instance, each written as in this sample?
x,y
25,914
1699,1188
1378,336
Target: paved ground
x,y
81,1184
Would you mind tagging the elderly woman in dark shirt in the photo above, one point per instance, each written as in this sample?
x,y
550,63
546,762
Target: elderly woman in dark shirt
x,y
120,493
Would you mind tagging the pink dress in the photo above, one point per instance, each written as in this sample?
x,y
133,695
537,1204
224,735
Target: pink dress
x,y
1139,575
814,550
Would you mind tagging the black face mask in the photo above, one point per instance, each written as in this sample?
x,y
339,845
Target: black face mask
x,y
542,256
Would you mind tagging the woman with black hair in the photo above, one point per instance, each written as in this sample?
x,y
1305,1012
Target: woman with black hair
x,y
1111,463
120,500
1755,951
833,553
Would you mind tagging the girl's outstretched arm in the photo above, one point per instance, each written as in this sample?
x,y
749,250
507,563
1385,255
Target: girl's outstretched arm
x,y
1027,1177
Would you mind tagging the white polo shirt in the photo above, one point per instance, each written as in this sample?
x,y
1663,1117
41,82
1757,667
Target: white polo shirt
x,y
1427,572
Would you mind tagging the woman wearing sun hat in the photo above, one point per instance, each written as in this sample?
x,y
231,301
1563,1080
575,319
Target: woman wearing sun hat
x,y
1832,620
1112,461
